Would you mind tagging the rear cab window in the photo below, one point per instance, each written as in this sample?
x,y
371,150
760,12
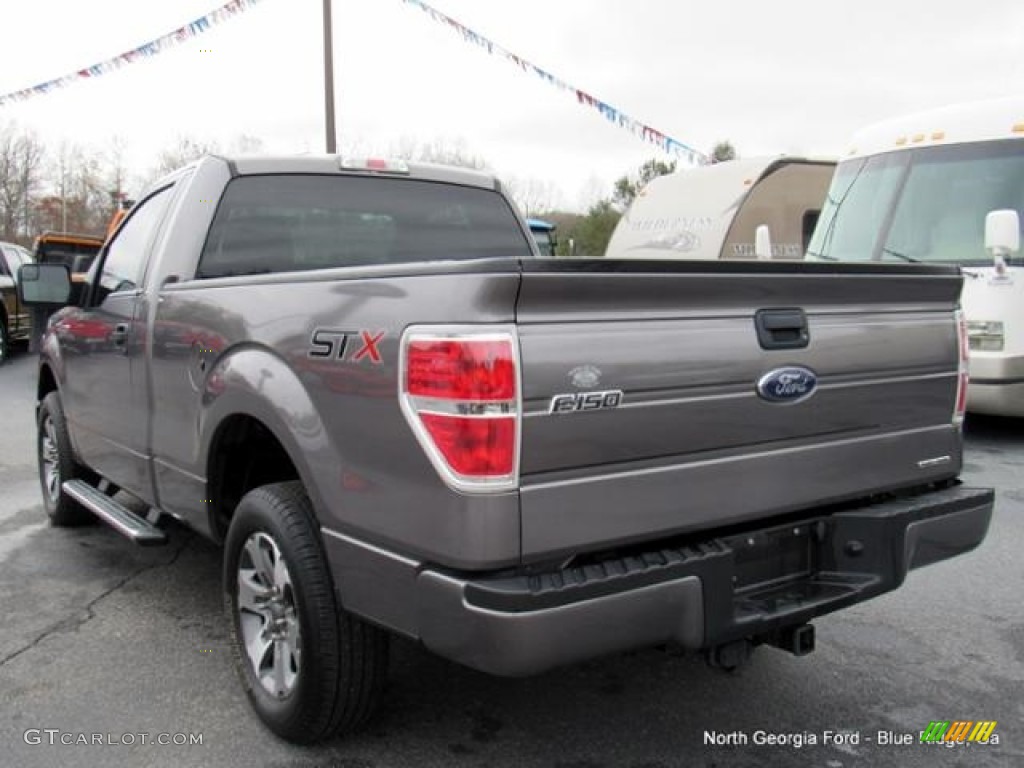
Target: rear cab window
x,y
286,223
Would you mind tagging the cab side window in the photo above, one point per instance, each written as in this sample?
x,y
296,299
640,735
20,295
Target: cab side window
x,y
126,256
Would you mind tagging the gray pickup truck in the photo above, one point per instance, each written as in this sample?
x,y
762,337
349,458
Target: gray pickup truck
x,y
363,380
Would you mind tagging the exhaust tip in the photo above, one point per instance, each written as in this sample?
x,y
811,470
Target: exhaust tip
x,y
797,640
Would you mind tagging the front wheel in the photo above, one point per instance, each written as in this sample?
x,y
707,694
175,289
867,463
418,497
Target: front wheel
x,y
310,669
57,464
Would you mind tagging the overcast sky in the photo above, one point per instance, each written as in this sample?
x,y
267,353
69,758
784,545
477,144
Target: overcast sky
x,y
794,76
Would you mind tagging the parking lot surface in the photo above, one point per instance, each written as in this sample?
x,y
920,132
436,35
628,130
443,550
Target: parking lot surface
x,y
121,647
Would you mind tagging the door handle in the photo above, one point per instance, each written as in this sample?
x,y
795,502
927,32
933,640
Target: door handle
x,y
119,334
782,328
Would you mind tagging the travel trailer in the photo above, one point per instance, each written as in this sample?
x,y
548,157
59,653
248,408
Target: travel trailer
x,y
945,186
715,211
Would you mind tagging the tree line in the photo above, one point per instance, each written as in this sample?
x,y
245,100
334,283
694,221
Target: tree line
x,y
76,188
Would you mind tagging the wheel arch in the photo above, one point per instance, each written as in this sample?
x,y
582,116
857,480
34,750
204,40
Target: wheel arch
x,y
258,426
244,454
46,383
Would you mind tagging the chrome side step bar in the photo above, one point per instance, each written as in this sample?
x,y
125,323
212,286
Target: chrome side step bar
x,y
114,514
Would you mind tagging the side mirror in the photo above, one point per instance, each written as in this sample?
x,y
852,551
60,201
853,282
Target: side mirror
x,y
44,284
1002,233
763,242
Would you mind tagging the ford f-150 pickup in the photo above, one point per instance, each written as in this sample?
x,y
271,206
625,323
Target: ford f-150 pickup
x,y
363,380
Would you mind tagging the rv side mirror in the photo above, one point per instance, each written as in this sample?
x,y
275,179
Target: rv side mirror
x,y
1002,233
44,284
763,242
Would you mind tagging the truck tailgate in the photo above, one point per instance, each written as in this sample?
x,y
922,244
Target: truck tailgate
x,y
692,445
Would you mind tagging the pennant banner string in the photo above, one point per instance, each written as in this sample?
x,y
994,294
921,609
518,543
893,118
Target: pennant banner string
x,y
231,9
225,12
645,132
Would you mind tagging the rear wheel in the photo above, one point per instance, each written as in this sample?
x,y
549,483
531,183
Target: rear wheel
x,y
310,669
57,464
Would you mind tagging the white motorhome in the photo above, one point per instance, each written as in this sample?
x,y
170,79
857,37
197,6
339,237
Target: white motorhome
x,y
921,189
715,211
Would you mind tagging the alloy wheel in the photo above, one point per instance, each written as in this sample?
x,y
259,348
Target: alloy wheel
x,y
267,615
50,456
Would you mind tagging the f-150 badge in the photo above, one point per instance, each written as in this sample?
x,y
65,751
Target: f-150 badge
x,y
787,385
574,402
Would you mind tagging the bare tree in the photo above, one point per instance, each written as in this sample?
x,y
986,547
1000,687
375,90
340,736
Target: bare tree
x,y
81,181
182,152
117,174
439,150
54,208
91,192
21,161
532,195
244,144
188,148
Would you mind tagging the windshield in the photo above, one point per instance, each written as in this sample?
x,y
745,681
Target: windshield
x,y
921,205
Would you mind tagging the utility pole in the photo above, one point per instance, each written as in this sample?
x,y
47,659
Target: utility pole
x,y
332,140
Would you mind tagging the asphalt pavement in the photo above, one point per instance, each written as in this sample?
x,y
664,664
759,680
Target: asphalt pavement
x,y
120,647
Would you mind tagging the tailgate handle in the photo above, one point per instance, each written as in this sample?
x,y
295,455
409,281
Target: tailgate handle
x,y
781,328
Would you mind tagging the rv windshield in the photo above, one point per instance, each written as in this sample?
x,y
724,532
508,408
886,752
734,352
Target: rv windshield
x,y
926,204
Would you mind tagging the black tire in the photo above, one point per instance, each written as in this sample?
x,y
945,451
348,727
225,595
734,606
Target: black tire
x,y
57,464
5,341
338,672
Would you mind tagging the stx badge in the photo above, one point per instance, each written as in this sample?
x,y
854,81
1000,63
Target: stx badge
x,y
332,344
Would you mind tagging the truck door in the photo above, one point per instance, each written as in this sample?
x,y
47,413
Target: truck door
x,y
104,346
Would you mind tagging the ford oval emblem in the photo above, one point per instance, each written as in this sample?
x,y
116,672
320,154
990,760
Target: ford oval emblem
x,y
787,385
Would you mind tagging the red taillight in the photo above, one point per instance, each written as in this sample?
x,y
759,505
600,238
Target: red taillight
x,y
961,399
461,369
963,347
460,393
474,446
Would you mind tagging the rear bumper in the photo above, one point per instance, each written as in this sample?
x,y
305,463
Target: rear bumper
x,y
996,384
997,399
996,367
748,585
